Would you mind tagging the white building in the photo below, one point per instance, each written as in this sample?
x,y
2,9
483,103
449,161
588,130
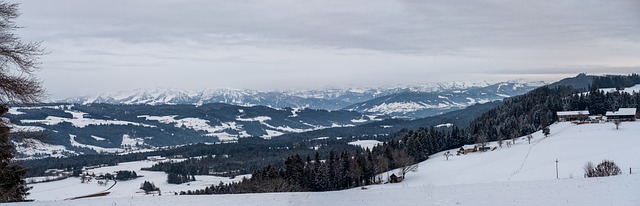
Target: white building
x,y
156,158
568,116
623,114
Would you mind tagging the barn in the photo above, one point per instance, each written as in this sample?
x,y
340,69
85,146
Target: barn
x,y
568,116
623,114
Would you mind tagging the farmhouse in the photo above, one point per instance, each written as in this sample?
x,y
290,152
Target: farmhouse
x,y
623,114
568,116
156,158
56,172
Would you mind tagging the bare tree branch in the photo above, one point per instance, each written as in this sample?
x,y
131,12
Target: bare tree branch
x,y
18,61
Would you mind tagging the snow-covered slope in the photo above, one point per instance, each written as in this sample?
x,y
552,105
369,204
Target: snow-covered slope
x,y
72,187
523,174
618,191
572,145
418,104
106,128
630,90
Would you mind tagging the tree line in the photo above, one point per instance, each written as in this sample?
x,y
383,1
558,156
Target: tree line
x,y
517,117
336,172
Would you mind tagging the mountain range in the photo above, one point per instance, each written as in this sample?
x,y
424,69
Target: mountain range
x,y
144,120
425,104
410,101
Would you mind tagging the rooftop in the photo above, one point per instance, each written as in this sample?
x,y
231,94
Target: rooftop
x,y
565,113
623,112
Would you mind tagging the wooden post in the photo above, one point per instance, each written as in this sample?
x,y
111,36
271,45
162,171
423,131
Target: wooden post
x,y
557,176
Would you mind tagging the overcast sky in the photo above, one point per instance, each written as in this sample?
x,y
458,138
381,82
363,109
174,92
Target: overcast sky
x,y
98,46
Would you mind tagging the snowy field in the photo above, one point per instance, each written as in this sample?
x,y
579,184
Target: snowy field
x,y
630,90
366,144
72,187
523,174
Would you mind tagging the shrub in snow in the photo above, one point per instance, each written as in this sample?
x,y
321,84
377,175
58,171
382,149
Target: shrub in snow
x,y
604,169
617,123
149,187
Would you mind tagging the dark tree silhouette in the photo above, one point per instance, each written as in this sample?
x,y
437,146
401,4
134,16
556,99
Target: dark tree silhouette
x,y
18,61
617,123
604,169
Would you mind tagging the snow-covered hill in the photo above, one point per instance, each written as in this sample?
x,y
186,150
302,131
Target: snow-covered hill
x,y
328,99
618,191
105,128
523,174
572,145
72,187
417,104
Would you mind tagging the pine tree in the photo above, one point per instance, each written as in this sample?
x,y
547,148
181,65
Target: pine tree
x,y
18,85
544,122
500,138
148,187
12,187
546,131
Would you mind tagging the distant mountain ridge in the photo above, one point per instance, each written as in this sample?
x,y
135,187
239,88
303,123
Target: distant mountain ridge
x,y
424,104
326,99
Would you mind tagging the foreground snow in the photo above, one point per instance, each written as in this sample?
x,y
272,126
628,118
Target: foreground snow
x,y
621,190
572,145
523,174
72,187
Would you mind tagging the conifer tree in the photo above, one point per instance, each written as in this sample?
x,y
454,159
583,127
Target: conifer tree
x,y
17,85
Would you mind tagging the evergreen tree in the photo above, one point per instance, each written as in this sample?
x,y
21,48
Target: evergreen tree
x,y
500,138
148,187
12,187
544,122
18,85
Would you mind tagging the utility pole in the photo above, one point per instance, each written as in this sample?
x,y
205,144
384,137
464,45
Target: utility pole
x,y
557,176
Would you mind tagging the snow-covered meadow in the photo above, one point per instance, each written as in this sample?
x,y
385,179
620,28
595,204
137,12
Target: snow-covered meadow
x,y
524,174
72,187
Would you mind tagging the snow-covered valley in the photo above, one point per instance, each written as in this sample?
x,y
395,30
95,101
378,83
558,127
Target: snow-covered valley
x,y
103,128
523,174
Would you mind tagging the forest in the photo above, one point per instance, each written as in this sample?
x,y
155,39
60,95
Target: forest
x,y
517,117
307,164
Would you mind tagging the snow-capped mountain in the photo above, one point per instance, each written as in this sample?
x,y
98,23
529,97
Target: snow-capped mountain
x,y
327,99
317,99
418,104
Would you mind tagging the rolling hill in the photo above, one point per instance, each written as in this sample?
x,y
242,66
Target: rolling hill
x,y
523,174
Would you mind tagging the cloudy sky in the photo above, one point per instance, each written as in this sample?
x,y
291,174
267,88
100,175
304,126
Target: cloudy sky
x,y
98,46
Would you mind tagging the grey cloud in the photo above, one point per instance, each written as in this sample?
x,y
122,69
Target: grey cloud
x,y
395,26
568,70
303,44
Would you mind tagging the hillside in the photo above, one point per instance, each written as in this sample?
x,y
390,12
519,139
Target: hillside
x,y
72,187
580,82
572,145
459,118
413,105
523,174
105,128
